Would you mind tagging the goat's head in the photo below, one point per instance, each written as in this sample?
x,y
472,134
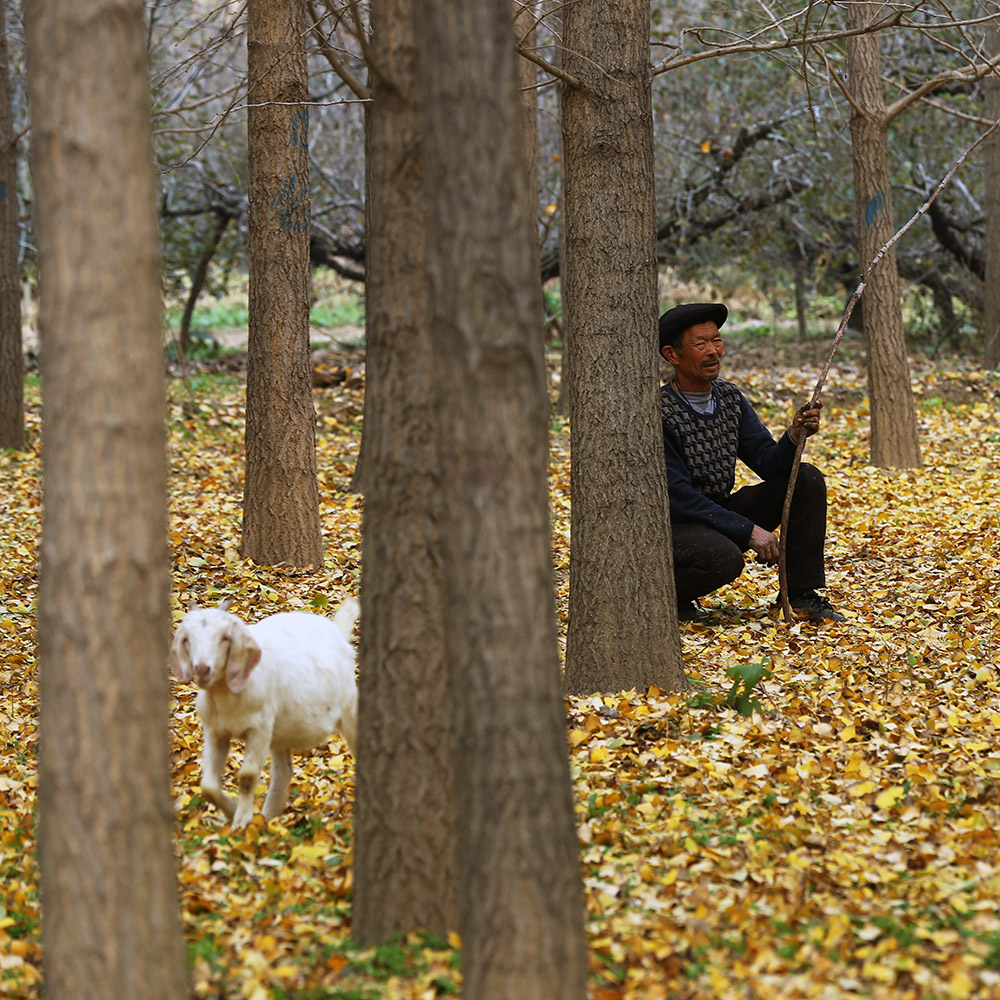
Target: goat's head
x,y
210,644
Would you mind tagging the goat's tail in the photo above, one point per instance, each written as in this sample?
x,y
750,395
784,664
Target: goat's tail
x,y
346,616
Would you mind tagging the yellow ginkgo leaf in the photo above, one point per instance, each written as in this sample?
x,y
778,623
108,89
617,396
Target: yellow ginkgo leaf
x,y
888,798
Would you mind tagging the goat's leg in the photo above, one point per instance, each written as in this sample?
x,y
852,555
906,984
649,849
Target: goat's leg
x,y
213,760
349,726
277,790
258,743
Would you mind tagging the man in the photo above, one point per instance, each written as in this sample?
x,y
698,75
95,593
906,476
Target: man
x,y
707,425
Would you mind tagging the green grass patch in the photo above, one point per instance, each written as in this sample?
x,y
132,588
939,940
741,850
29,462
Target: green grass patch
x,y
339,313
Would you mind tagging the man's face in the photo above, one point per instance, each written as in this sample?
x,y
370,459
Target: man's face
x,y
697,357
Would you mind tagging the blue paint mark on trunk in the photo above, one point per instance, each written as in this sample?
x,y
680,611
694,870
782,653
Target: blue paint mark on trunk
x,y
300,128
290,206
874,206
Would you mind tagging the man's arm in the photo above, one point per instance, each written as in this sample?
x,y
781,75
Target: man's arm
x,y
770,459
765,544
758,450
687,504
806,421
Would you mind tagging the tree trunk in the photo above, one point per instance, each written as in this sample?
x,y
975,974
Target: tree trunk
x,y
405,854
11,354
894,436
521,915
563,398
623,606
991,204
112,927
281,499
801,300
525,20
219,224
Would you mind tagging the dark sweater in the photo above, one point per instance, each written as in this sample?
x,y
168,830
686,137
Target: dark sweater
x,y
701,452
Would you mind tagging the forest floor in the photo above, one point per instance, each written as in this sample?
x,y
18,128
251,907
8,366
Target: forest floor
x,y
843,841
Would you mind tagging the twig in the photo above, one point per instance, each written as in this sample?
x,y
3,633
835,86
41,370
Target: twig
x,y
800,446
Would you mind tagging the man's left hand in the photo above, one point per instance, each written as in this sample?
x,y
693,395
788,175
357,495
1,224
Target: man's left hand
x,y
806,421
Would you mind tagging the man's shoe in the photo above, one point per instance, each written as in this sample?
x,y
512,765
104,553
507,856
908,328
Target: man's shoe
x,y
818,609
690,611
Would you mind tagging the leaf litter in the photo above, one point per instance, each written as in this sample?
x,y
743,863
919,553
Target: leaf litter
x,y
839,840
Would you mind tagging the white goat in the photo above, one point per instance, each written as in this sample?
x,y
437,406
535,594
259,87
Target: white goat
x,y
285,683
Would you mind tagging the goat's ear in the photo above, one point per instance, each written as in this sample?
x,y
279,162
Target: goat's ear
x,y
244,655
178,659
225,604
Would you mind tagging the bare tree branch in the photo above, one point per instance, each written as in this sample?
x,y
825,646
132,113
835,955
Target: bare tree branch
x,y
332,56
556,71
801,41
968,75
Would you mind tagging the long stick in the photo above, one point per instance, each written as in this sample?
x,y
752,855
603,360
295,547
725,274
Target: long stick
x,y
800,447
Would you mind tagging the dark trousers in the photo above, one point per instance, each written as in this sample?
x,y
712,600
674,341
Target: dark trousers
x,y
705,559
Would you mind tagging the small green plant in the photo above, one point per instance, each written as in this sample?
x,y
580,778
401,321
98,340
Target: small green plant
x,y
208,949
202,346
396,957
305,829
702,699
553,314
746,677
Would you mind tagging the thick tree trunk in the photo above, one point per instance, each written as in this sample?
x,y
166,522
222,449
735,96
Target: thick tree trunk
x,y
991,205
405,853
623,607
894,435
521,916
111,917
281,499
11,356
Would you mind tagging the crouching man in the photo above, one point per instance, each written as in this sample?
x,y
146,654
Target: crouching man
x,y
707,425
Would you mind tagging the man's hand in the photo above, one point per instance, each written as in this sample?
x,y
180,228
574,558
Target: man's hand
x,y
806,421
764,544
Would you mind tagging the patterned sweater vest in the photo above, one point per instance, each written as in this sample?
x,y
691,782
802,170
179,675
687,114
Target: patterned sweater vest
x,y
707,442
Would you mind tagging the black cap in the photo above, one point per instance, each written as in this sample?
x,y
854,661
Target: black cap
x,y
675,321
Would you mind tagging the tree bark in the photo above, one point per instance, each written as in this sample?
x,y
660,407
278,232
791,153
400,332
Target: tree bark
x,y
521,911
801,299
525,31
198,278
991,205
405,854
281,498
894,435
11,354
623,607
112,927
